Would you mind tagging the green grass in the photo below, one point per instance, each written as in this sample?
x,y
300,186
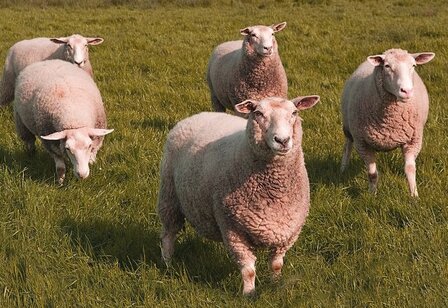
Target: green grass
x,y
94,243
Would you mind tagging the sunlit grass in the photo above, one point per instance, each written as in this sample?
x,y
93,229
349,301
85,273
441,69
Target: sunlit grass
x,y
95,243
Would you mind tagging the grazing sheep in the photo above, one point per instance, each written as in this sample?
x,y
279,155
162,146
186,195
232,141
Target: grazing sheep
x,y
247,69
385,106
60,103
239,181
73,49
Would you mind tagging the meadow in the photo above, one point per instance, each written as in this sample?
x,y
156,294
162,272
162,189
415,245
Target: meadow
x,y
95,243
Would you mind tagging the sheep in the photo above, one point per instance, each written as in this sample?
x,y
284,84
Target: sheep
x,y
73,49
247,69
385,106
61,104
239,181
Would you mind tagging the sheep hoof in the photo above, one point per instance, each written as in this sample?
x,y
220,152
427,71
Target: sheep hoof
x,y
251,294
276,277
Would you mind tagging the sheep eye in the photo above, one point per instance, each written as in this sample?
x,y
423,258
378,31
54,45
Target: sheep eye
x,y
253,35
386,65
69,46
258,113
294,114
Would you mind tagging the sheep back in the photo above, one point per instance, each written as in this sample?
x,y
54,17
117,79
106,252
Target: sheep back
x,y
217,181
55,95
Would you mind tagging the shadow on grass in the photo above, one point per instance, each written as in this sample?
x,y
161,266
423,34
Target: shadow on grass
x,y
132,244
326,171
38,166
129,244
156,122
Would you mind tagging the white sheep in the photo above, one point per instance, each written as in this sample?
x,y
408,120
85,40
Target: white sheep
x,y
247,69
61,104
385,106
243,182
73,49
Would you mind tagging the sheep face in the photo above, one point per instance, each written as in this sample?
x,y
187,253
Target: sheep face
x,y
78,145
76,48
260,40
397,68
274,125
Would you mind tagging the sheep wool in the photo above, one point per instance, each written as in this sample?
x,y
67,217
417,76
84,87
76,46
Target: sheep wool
x,y
247,69
385,106
72,49
243,182
56,96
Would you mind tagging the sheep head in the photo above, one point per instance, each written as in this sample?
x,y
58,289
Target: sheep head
x,y
397,68
260,40
78,145
274,127
76,48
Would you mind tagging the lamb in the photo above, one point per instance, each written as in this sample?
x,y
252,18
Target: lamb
x,y
73,49
61,104
247,69
385,106
243,182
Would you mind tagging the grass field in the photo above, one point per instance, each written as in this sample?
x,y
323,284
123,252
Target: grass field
x,y
94,243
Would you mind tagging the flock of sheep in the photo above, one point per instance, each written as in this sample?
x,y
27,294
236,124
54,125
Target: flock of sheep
x,y
240,179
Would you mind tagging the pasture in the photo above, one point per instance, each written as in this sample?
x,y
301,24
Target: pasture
x,y
95,243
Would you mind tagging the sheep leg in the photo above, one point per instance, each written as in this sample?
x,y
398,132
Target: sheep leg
x,y
92,158
368,157
171,216
410,169
348,147
276,261
172,222
7,84
240,250
60,168
25,134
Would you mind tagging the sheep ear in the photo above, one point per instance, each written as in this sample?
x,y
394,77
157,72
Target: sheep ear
x,y
305,102
376,60
55,136
246,31
246,107
423,57
59,40
279,27
94,40
97,132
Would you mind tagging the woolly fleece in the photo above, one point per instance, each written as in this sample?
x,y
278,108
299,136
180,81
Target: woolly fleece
x,y
218,172
236,72
26,52
376,120
53,96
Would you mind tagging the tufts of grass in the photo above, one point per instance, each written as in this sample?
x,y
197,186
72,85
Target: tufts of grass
x,y
95,242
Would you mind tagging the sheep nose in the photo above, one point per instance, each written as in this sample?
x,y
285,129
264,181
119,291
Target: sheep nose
x,y
282,141
407,92
267,48
78,63
82,175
